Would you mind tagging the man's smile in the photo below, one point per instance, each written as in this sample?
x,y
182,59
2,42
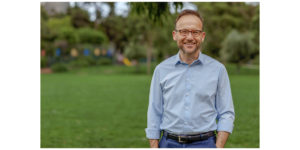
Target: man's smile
x,y
189,44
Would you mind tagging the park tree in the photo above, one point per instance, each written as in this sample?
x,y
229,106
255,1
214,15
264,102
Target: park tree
x,y
47,37
79,17
112,8
137,35
98,9
237,48
115,28
63,33
164,45
219,19
154,14
91,36
222,17
143,23
155,11
255,30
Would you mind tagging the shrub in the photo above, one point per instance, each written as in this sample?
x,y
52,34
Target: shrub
x,y
256,60
79,63
91,61
83,62
104,61
43,62
59,67
88,35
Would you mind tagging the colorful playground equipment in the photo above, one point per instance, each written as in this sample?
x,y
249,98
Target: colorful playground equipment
x,y
127,62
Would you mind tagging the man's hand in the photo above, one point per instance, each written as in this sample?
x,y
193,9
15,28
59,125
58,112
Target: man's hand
x,y
222,138
153,143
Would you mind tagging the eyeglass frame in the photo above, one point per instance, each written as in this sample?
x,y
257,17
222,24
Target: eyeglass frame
x,y
189,31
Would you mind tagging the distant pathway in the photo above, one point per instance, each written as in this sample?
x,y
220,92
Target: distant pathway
x,y
46,70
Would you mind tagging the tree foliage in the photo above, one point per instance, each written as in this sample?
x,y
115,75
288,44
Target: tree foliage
x,y
89,35
156,11
149,26
222,17
237,47
68,31
115,28
79,17
164,45
135,51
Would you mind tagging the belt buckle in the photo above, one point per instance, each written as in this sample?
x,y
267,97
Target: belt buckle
x,y
179,139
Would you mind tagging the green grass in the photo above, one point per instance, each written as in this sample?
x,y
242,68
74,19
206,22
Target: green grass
x,y
107,107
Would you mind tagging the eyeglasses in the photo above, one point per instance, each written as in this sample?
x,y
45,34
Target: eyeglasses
x,y
185,32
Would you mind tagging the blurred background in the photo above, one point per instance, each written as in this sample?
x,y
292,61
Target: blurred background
x,y
97,60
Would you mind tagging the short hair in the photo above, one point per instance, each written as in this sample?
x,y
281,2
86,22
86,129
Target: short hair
x,y
189,12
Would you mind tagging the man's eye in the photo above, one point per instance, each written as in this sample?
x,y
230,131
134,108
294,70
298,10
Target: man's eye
x,y
185,31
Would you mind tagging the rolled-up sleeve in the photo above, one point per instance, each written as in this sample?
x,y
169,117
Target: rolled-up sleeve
x,y
224,103
155,107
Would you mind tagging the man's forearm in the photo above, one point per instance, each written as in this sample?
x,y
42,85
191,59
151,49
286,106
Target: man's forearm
x,y
153,143
222,138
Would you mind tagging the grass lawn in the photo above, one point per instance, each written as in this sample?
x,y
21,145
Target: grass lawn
x,y
106,107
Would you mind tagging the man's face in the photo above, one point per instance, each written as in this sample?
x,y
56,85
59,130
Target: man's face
x,y
188,44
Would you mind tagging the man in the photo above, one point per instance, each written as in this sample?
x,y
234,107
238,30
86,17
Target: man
x,y
189,92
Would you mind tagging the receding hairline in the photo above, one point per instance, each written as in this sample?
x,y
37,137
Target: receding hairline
x,y
189,12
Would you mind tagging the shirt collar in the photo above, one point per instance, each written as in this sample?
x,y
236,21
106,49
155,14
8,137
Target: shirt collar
x,y
199,60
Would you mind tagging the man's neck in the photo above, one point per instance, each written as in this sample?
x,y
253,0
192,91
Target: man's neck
x,y
188,58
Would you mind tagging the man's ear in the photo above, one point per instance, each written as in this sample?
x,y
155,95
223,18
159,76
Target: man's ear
x,y
203,36
174,36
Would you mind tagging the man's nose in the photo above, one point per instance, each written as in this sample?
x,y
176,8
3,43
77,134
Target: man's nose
x,y
189,35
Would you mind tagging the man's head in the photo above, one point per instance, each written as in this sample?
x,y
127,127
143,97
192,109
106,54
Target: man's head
x,y
188,31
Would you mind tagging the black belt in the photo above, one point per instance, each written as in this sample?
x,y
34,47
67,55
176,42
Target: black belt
x,y
190,138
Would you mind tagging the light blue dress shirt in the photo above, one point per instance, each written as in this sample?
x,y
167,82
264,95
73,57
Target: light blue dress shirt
x,y
189,99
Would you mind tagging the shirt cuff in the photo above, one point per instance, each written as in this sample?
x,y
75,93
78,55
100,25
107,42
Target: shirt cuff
x,y
225,125
152,133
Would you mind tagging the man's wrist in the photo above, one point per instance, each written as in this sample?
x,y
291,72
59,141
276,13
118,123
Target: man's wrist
x,y
222,139
153,143
219,146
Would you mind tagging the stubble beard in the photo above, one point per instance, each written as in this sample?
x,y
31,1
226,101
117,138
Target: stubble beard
x,y
184,51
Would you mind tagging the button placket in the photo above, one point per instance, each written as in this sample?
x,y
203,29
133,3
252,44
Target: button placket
x,y
187,97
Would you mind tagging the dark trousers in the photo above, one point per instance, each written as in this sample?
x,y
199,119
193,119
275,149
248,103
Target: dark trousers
x,y
170,143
